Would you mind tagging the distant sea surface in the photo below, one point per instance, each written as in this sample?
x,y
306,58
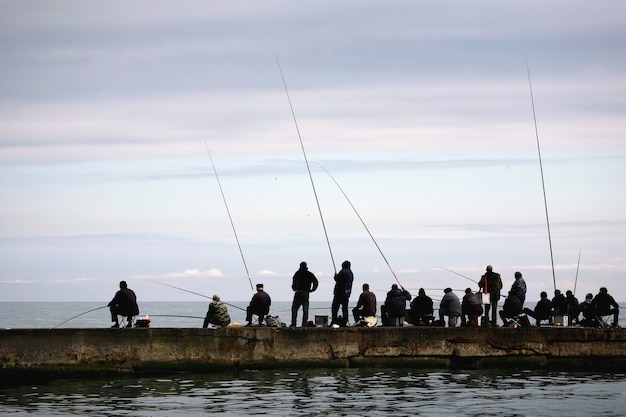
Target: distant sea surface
x,y
297,392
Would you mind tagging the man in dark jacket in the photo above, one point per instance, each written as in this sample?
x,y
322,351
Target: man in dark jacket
x,y
366,306
395,305
422,309
604,304
124,303
519,287
304,282
512,308
341,294
573,309
259,305
471,308
543,309
589,312
491,283
559,304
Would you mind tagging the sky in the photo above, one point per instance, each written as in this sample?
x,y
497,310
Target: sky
x,y
412,149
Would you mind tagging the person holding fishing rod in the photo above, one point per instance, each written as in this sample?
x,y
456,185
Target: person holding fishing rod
x,y
217,314
124,303
341,292
304,282
491,283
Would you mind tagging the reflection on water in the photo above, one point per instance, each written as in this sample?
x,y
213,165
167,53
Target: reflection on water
x,y
342,392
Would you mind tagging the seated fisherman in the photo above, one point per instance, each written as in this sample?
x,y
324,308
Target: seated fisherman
x,y
543,309
421,312
471,308
365,309
604,305
589,312
512,308
395,306
259,305
217,314
124,303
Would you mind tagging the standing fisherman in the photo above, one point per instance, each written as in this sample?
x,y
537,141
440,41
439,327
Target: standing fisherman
x,y
342,291
519,287
304,282
491,284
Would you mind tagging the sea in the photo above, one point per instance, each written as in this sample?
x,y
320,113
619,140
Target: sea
x,y
297,392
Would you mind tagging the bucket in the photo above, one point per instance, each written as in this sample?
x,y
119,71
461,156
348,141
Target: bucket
x,y
560,321
485,297
321,321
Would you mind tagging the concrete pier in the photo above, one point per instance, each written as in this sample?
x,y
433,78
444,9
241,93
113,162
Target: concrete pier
x,y
39,354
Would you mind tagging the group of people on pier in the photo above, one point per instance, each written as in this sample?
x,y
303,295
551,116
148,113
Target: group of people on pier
x,y
475,309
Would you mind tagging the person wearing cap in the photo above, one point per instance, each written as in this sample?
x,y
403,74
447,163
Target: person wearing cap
x,y
217,314
543,309
572,307
471,309
259,305
605,305
304,282
491,283
124,303
450,306
589,312
341,294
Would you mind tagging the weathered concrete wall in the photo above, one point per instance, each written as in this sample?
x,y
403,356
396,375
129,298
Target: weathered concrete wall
x,y
27,354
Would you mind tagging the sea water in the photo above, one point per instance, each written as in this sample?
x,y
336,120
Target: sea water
x,y
328,392
297,392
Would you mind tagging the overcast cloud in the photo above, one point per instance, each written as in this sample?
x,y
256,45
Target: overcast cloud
x,y
420,110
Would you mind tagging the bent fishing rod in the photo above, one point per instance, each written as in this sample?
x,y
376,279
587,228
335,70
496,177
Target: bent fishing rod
x,y
232,224
577,267
81,314
306,160
197,293
543,184
362,222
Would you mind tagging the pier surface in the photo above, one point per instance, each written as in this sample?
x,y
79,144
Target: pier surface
x,y
39,354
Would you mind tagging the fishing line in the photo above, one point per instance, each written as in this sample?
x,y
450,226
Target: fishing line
x,y
362,222
545,201
229,216
307,164
197,293
78,315
454,272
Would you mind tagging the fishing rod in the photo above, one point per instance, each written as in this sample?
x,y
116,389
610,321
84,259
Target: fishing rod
x,y
577,267
362,222
307,164
197,293
229,216
461,275
78,315
173,315
543,184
